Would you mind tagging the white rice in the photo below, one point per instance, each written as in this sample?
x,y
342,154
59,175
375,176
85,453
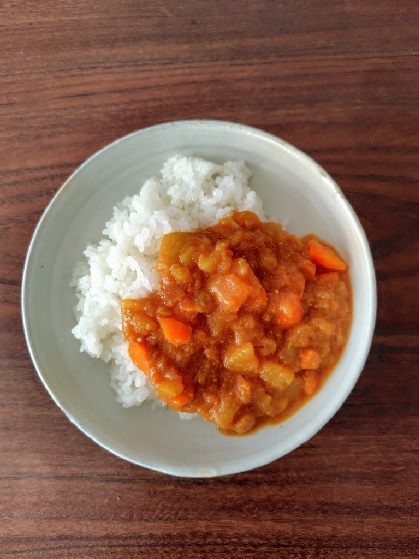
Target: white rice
x,y
191,193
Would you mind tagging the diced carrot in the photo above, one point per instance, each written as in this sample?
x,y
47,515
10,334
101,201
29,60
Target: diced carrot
x,y
167,392
230,290
140,353
308,268
310,381
176,332
324,256
289,310
310,359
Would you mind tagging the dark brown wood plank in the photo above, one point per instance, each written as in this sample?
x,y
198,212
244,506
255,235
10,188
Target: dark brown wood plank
x,y
340,80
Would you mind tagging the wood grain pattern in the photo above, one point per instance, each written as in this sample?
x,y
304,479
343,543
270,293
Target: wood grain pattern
x,y
340,80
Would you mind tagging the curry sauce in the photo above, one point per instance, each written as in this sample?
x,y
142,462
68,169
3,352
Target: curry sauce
x,y
246,323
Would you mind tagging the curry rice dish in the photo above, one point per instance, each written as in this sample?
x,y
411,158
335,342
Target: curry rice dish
x,y
246,321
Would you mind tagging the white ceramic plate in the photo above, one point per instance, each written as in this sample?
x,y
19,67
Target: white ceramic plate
x,y
293,187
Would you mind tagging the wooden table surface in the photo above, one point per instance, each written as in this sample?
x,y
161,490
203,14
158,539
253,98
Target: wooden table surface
x,y
340,80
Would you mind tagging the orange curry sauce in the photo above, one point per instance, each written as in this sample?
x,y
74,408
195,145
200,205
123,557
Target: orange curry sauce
x,y
245,324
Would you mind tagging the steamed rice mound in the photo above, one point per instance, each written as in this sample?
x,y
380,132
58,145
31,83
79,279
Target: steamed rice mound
x,y
191,193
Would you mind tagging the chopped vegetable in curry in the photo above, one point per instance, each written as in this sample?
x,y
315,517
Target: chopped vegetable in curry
x,y
246,323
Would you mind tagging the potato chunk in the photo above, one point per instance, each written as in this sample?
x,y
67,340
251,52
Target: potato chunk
x,y
230,290
170,247
245,423
241,359
276,375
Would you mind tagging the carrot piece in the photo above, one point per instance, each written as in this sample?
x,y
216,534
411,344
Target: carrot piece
x,y
324,256
230,290
310,359
290,310
168,391
311,381
140,353
176,332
